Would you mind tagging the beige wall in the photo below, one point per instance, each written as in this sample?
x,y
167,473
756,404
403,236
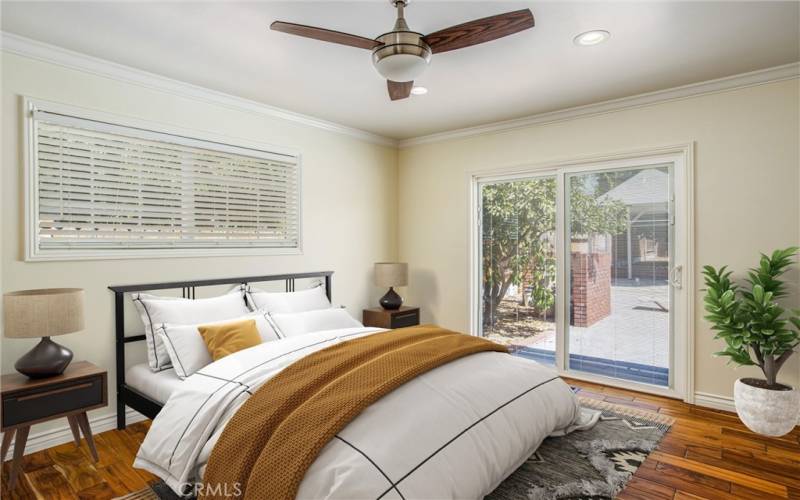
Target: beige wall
x,y
747,171
349,200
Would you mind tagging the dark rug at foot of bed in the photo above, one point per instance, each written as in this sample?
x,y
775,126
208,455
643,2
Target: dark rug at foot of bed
x,y
593,464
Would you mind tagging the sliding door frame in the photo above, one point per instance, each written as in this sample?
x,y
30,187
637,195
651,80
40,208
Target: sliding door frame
x,y
682,323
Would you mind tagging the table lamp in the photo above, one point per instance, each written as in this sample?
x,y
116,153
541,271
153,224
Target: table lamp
x,y
391,274
43,313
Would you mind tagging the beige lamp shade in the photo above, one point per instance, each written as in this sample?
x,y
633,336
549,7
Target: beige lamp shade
x,y
43,313
391,274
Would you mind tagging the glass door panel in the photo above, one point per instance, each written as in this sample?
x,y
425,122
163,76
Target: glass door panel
x,y
619,248
518,265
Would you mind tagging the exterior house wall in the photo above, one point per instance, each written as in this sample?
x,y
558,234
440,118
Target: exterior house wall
x,y
591,288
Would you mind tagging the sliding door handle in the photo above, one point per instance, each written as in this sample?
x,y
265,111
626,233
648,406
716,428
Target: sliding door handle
x,y
676,277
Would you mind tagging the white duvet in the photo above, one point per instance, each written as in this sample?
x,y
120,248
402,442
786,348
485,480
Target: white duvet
x,y
454,432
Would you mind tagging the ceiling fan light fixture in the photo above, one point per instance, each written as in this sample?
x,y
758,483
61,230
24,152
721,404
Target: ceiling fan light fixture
x,y
402,57
592,37
401,67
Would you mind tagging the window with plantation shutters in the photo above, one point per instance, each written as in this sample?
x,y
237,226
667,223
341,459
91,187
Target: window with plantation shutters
x,y
101,188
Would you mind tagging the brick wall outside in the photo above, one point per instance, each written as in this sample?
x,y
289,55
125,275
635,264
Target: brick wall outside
x,y
591,288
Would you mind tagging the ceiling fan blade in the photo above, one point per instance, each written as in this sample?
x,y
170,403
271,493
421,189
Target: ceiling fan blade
x,y
325,35
479,31
399,90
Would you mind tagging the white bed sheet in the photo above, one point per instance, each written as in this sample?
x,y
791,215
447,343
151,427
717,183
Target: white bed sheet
x,y
157,385
481,417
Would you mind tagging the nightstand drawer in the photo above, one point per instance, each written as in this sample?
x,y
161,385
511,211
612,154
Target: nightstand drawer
x,y
56,399
391,318
404,319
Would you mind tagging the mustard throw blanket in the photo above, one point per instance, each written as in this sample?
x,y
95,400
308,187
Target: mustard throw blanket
x,y
269,444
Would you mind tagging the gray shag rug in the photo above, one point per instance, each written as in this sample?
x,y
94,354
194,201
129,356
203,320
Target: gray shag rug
x,y
594,464
585,465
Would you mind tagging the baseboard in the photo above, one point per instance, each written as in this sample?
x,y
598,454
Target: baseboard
x,y
720,402
54,437
714,401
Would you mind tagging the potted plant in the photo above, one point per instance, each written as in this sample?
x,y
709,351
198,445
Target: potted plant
x,y
753,324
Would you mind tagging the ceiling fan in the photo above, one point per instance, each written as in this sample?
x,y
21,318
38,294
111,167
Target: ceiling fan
x,y
402,55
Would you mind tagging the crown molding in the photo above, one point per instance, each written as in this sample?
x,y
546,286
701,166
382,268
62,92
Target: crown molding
x,y
753,78
33,49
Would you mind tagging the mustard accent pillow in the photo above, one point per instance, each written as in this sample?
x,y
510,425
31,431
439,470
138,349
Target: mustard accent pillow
x,y
227,338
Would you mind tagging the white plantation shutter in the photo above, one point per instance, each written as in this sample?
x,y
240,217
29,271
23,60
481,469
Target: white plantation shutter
x,y
101,186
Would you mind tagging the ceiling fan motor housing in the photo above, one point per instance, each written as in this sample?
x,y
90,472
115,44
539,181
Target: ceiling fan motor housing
x,y
402,57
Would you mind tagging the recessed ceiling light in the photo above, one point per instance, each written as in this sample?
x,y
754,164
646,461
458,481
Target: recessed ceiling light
x,y
419,90
592,37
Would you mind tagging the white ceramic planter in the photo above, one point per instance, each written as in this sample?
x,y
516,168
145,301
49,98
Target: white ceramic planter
x,y
766,412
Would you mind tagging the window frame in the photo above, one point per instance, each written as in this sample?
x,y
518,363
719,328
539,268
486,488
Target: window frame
x,y
34,253
682,207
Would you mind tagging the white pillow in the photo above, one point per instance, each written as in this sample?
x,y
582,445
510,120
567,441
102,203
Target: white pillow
x,y
292,324
288,302
188,351
155,310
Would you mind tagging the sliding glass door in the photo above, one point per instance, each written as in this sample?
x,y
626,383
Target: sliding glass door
x,y
619,235
518,265
580,267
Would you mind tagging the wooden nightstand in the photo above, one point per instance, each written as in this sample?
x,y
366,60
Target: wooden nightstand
x,y
82,387
383,318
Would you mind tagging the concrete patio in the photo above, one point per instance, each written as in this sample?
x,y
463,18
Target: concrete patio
x,y
636,331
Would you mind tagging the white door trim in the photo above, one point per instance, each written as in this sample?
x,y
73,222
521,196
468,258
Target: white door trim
x,y
683,157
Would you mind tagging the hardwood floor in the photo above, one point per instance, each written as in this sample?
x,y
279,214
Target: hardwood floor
x,y
66,471
706,454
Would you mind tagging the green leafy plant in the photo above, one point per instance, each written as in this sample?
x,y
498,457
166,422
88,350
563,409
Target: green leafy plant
x,y
518,218
749,318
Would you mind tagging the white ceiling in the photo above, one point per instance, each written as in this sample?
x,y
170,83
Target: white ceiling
x,y
227,46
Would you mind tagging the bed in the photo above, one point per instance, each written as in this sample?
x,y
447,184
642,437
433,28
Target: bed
x,y
136,395
157,386
455,430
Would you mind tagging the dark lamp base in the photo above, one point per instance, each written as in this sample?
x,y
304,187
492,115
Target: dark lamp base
x,y
391,300
45,360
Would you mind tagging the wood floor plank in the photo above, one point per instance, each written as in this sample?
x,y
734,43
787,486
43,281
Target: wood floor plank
x,y
682,495
122,478
767,475
649,489
50,483
633,494
70,461
761,466
686,480
703,451
788,442
780,452
739,491
100,491
723,474
22,489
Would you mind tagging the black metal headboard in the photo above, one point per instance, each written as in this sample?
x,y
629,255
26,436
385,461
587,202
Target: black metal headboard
x,y
129,396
